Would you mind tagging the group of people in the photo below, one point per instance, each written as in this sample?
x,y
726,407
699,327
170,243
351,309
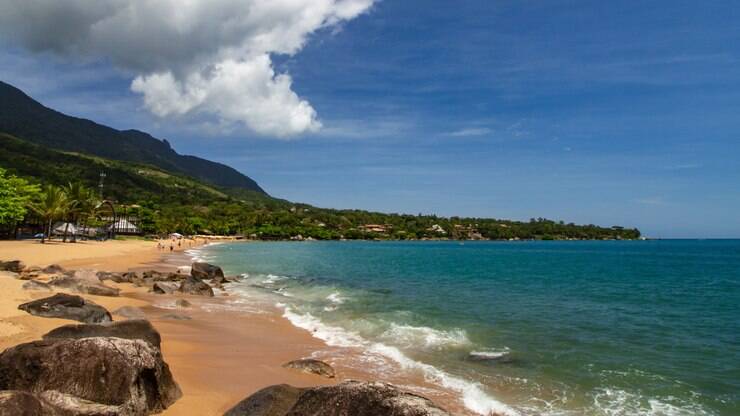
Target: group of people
x,y
162,244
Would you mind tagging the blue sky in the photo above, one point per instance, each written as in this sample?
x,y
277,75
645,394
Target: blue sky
x,y
592,112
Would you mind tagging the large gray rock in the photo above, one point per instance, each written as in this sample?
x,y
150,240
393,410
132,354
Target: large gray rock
x,y
15,266
84,286
271,401
194,286
349,398
311,366
129,329
165,288
100,376
206,271
67,306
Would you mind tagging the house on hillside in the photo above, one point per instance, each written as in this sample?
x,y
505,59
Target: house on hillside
x,y
374,228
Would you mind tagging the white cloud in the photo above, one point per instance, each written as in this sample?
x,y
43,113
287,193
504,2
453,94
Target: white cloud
x,y
198,56
471,131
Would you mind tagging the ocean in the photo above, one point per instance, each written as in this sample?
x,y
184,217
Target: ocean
x,y
553,328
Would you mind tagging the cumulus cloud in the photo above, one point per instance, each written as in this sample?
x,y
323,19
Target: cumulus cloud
x,y
197,56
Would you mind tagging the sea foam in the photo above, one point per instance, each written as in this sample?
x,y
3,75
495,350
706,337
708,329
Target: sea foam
x,y
415,336
472,393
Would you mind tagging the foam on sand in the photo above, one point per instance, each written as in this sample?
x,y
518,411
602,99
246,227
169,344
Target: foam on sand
x,y
473,395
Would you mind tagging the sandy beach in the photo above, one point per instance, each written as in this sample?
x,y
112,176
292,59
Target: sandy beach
x,y
217,357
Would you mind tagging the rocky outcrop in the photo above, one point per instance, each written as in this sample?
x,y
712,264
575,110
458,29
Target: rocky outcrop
x,y
312,366
130,312
112,276
129,277
100,376
15,266
349,398
83,286
129,329
36,285
206,271
164,288
53,269
194,286
67,306
219,280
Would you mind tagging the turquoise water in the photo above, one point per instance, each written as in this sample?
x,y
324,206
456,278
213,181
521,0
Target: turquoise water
x,y
602,328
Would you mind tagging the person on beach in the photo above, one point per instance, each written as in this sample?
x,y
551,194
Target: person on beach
x,y
172,247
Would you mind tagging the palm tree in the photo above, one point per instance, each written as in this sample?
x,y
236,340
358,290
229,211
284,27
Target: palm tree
x,y
52,204
82,201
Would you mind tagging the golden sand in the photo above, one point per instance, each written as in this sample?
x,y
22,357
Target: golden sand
x,y
217,358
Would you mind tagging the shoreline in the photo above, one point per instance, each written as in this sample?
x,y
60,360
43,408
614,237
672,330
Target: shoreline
x,y
201,349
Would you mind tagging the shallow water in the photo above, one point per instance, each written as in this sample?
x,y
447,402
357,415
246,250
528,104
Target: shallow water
x,y
560,328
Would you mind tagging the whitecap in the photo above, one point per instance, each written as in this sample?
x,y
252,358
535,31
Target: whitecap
x,y
335,298
416,336
491,354
473,395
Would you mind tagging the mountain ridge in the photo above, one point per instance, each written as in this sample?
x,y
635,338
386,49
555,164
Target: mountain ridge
x,y
23,116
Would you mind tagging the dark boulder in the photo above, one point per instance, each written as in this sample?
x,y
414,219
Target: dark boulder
x,y
84,286
206,271
271,401
349,398
183,303
101,376
15,266
312,366
194,286
53,269
129,329
67,306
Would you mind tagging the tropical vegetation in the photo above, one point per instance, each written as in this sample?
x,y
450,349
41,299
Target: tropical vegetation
x,y
161,202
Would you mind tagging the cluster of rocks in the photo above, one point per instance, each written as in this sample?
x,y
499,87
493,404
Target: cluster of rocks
x,y
98,367
93,282
102,367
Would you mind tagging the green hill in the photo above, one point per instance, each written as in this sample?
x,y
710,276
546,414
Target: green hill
x,y
22,116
